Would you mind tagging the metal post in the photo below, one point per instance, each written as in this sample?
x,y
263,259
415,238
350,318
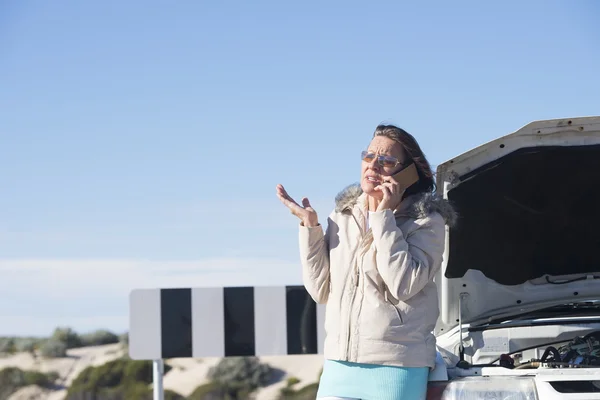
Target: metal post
x,y
157,378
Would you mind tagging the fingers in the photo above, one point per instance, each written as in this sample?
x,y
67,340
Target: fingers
x,y
398,187
305,203
281,191
290,203
386,187
387,191
392,193
284,196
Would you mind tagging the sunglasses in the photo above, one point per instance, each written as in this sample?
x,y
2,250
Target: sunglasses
x,y
384,161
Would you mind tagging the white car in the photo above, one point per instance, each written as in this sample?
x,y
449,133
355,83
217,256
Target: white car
x,y
519,289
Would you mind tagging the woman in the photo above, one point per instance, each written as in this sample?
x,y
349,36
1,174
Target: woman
x,y
374,269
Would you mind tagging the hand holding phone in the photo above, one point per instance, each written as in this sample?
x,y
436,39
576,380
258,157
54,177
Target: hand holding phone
x,y
393,191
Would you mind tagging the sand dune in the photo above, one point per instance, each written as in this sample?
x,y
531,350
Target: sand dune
x,y
68,368
184,377
32,393
187,374
305,367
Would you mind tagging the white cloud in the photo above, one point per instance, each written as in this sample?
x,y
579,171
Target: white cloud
x,y
38,293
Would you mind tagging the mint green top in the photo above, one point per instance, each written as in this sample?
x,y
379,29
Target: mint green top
x,y
372,382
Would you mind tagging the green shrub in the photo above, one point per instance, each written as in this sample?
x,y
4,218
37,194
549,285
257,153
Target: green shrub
x,y
11,345
240,376
53,348
209,391
292,380
308,392
121,379
137,391
99,337
171,395
7,345
26,344
288,390
37,378
124,339
11,379
140,371
53,377
12,376
68,336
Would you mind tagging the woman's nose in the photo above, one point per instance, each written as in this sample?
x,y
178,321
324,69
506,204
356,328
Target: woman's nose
x,y
375,164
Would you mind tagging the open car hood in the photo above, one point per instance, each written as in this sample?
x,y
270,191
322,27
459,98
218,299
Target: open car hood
x,y
528,231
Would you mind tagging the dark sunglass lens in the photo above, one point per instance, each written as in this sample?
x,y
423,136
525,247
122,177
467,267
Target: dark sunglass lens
x,y
389,161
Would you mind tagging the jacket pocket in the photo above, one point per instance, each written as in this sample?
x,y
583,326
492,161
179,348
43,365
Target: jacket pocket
x,y
390,304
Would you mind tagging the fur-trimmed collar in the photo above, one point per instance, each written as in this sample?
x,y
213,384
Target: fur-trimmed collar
x,y
420,205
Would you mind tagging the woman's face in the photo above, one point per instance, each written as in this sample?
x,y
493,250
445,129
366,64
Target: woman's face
x,y
372,172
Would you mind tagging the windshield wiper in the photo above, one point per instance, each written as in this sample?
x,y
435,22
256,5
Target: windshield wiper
x,y
583,278
587,308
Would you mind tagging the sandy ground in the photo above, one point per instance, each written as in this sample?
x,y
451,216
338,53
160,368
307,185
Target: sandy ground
x,y
306,368
68,368
32,393
187,374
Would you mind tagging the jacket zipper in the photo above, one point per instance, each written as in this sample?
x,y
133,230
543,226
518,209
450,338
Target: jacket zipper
x,y
349,336
353,266
359,250
352,262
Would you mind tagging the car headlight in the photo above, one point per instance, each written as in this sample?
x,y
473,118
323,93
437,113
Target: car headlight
x,y
489,388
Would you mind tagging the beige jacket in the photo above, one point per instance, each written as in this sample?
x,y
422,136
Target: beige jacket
x,y
377,281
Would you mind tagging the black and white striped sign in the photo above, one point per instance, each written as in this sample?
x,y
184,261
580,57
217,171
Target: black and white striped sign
x,y
223,322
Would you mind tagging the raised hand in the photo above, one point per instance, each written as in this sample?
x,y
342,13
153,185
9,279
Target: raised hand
x,y
305,212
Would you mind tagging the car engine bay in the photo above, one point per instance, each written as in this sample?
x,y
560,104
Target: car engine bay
x,y
580,352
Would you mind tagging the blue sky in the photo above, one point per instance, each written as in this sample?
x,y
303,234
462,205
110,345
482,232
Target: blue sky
x,y
141,142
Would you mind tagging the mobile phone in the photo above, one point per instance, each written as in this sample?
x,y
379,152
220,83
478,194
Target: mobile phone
x,y
407,177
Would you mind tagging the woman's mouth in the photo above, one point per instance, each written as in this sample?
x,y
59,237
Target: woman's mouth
x,y
373,179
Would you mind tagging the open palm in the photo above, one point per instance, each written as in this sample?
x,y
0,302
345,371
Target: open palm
x,y
305,212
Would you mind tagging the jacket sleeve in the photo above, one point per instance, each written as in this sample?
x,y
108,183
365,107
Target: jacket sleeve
x,y
407,264
314,255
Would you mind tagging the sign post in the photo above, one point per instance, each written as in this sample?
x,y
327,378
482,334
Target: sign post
x,y
157,378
